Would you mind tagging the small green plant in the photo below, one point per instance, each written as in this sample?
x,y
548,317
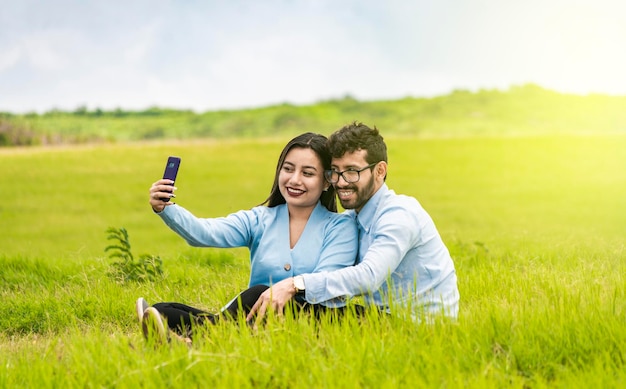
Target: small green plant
x,y
126,268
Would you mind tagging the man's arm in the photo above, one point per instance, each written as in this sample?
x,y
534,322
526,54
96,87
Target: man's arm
x,y
339,250
394,234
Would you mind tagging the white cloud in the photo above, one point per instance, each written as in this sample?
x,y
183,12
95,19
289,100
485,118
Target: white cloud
x,y
9,58
48,51
207,55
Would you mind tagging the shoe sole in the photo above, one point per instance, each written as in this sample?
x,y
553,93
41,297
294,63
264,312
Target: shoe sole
x,y
140,307
153,327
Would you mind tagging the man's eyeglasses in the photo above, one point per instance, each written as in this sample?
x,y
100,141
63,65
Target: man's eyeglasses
x,y
350,175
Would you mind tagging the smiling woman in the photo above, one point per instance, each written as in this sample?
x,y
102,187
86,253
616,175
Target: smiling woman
x,y
301,183
296,231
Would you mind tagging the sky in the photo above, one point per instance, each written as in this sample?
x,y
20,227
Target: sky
x,y
209,55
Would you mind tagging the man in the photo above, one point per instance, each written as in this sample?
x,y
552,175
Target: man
x,y
402,258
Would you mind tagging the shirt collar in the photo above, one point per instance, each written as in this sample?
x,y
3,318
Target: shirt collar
x,y
366,216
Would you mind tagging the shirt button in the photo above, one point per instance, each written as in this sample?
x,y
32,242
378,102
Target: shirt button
x,y
287,267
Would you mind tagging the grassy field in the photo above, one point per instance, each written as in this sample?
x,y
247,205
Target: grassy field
x,y
535,225
525,109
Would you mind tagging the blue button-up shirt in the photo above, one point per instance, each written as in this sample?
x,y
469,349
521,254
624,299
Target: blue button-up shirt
x,y
328,242
402,259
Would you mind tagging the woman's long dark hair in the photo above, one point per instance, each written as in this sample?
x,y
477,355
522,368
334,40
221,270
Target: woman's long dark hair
x,y
317,143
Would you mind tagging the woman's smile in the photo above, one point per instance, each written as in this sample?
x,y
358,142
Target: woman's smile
x,y
295,192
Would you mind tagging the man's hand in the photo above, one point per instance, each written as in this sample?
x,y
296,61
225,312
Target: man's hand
x,y
276,297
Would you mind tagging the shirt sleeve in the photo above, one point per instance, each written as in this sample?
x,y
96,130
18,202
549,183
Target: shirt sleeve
x,y
393,234
234,230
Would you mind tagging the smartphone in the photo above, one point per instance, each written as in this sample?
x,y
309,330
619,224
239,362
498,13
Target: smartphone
x,y
171,170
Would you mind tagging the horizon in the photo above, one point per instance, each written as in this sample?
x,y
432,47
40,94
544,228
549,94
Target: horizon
x,y
92,110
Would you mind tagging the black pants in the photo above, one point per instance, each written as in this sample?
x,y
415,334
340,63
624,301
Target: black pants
x,y
182,318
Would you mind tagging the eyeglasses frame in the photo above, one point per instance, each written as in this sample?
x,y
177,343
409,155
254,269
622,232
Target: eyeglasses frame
x,y
330,172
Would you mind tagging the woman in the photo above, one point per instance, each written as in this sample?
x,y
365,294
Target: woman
x,y
296,230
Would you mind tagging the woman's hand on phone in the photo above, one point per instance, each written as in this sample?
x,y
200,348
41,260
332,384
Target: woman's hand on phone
x,y
161,194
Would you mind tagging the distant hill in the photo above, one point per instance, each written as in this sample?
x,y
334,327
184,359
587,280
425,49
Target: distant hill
x,y
527,109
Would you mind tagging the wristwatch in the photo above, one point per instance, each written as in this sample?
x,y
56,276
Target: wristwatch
x,y
298,284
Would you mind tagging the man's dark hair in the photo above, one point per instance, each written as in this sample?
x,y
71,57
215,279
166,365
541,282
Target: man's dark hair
x,y
357,136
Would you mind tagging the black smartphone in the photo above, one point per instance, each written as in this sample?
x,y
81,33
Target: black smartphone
x,y
171,170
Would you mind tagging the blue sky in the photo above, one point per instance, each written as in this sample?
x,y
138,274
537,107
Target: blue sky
x,y
206,55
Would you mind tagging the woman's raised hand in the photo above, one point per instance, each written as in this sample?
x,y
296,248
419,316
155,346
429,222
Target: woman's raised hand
x,y
161,193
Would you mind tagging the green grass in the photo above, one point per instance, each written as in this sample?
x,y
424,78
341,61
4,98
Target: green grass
x,y
527,109
535,226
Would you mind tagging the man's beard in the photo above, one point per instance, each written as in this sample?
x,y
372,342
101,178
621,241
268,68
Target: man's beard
x,y
360,196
